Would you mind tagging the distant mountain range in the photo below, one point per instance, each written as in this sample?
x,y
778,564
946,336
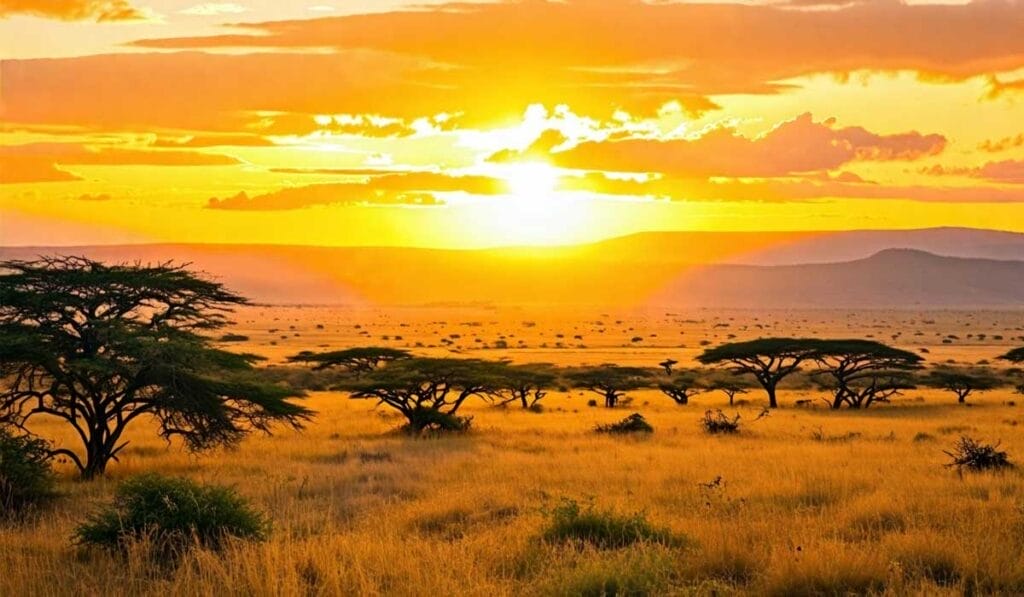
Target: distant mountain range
x,y
941,267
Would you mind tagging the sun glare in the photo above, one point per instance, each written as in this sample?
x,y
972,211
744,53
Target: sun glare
x,y
534,212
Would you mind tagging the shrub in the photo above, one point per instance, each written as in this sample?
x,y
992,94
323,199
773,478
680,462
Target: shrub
x,y
634,423
584,525
233,338
25,477
434,421
975,456
173,514
715,421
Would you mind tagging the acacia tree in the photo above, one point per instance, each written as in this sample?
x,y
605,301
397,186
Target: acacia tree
x,y
356,360
1014,356
100,346
729,384
769,360
609,381
527,384
428,391
861,372
682,386
963,382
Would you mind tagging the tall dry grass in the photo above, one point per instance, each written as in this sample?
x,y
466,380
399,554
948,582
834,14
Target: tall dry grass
x,y
809,502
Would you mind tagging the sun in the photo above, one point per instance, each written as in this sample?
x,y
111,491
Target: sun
x,y
531,181
534,211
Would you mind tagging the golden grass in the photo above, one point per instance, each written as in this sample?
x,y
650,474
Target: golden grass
x,y
358,510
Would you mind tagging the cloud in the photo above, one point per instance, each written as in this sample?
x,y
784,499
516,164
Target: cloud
x,y
72,10
712,48
594,56
413,188
20,169
1003,144
790,189
198,141
208,9
96,197
1006,171
339,194
800,145
81,155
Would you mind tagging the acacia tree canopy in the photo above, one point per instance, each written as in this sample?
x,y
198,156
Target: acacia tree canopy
x,y
413,385
964,382
609,381
769,360
862,372
358,360
99,346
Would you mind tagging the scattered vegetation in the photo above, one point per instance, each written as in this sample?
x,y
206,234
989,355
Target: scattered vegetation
x,y
584,525
975,456
26,481
716,421
172,515
634,423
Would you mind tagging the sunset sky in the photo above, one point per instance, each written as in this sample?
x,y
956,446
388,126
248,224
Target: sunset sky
x,y
383,122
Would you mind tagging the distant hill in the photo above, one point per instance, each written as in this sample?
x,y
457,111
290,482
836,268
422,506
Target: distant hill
x,y
893,278
945,267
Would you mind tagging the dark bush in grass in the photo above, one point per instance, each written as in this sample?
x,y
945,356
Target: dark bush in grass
x,y
25,477
975,456
233,338
429,420
172,514
634,423
716,421
569,522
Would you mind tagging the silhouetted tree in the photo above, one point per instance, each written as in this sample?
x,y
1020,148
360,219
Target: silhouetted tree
x,y
99,346
609,381
527,384
420,388
356,360
861,372
667,365
963,382
769,360
1014,356
729,384
682,386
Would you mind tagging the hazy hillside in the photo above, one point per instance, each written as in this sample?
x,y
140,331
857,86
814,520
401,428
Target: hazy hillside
x,y
678,268
894,278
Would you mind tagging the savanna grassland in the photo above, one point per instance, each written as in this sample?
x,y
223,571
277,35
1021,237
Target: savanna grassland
x,y
802,501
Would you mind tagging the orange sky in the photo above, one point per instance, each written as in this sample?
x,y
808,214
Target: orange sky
x,y
481,124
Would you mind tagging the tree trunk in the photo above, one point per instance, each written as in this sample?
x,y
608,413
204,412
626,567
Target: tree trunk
x,y
772,400
610,399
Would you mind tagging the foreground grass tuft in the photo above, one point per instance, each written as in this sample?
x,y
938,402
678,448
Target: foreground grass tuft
x,y
26,481
976,456
172,515
569,522
634,423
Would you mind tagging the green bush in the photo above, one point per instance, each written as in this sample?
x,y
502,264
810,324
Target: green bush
x,y
572,523
173,514
25,477
432,420
634,423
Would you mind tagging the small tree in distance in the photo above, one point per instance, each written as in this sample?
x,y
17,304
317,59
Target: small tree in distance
x,y
98,347
609,381
729,384
428,392
963,382
526,384
682,386
355,360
